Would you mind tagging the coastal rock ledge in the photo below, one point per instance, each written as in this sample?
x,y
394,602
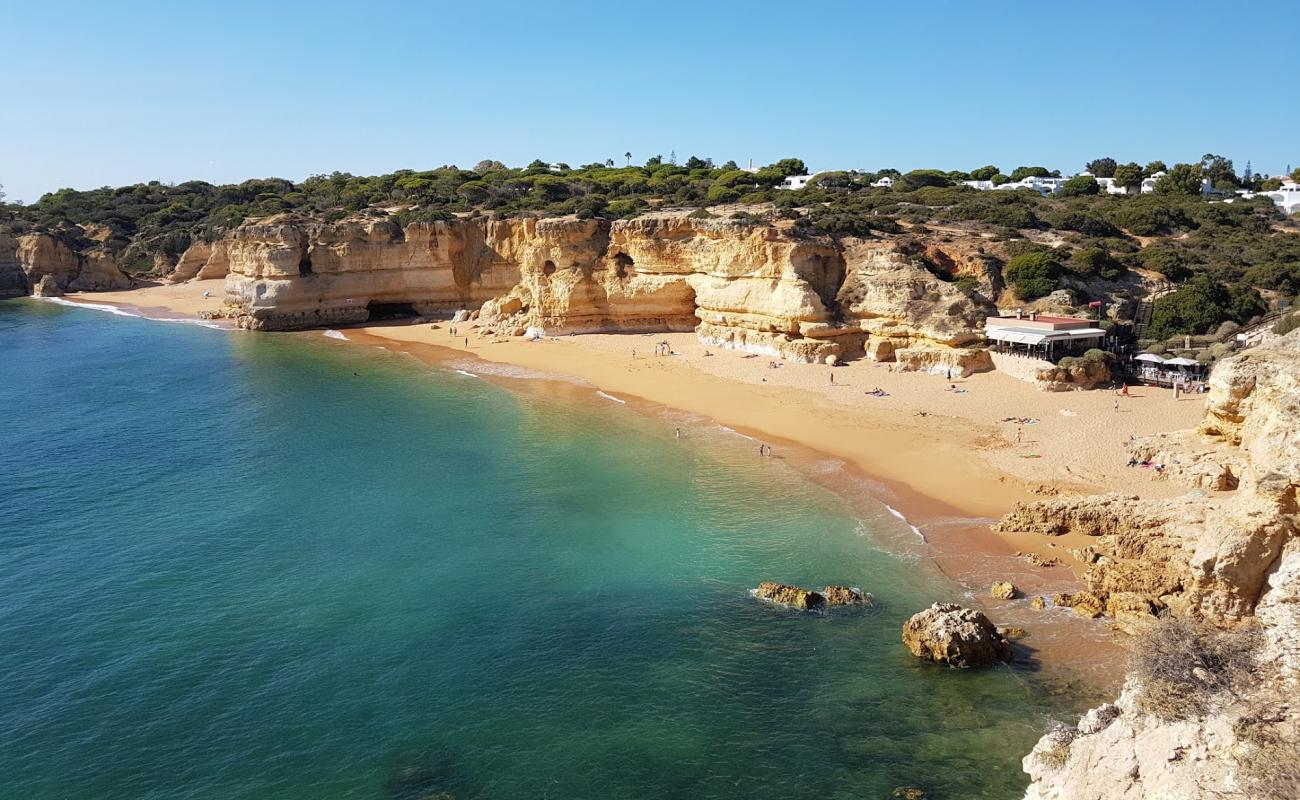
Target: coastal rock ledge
x,y
955,635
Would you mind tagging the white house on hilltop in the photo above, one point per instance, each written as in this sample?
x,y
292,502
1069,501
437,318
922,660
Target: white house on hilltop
x,y
885,182
795,181
1287,197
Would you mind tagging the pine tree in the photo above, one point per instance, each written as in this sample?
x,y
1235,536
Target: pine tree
x,y
1247,176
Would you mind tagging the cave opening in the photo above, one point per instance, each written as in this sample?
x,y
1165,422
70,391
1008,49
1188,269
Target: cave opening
x,y
304,265
548,267
622,263
827,278
384,311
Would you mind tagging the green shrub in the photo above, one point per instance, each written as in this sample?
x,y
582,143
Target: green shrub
x,y
1032,275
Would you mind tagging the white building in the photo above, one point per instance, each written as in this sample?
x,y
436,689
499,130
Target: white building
x,y
1287,197
1044,186
795,181
885,183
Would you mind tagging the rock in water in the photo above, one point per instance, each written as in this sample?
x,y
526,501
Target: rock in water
x,y
1005,590
845,596
47,287
957,636
793,596
1085,604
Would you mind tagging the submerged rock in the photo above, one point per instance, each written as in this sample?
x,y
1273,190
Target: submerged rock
x,y
792,596
845,596
954,635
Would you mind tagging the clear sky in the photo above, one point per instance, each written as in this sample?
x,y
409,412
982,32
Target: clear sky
x,y
114,93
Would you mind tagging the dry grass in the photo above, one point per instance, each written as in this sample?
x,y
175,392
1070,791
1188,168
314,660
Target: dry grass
x,y
1186,669
1269,762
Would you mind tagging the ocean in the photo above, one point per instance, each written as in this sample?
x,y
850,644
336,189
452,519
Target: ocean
x,y
238,566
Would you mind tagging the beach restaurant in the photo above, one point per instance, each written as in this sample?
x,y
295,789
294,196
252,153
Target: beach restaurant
x,y
1154,370
1042,336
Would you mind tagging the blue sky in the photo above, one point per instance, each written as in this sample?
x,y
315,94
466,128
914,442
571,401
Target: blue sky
x,y
113,93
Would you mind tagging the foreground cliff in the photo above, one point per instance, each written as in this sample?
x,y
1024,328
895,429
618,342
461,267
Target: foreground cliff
x,y
762,287
1210,710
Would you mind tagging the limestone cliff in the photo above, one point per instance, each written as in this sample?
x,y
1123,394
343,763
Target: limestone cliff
x,y
13,279
290,274
762,287
27,258
1227,557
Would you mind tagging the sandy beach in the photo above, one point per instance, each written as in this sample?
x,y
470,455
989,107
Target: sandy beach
x,y
945,450
975,445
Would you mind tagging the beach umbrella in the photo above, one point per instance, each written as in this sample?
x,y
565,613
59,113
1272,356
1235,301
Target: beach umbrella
x,y
1181,362
1152,357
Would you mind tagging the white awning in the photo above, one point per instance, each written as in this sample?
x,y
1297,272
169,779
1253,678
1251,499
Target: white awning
x,y
1017,335
1038,336
1182,362
1152,357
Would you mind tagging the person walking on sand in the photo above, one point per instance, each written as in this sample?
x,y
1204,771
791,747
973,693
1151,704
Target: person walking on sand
x,y
1020,432
679,434
950,374
1117,404
466,342
832,379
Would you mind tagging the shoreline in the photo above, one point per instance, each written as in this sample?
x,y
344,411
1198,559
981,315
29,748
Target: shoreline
x,y
948,473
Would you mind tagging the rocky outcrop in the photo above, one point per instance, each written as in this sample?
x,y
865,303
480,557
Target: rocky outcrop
x,y
201,261
47,286
41,255
1226,558
1004,590
1072,374
13,280
954,635
792,596
845,596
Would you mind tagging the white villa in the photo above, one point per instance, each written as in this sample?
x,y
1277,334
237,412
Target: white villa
x,y
1286,198
885,182
795,181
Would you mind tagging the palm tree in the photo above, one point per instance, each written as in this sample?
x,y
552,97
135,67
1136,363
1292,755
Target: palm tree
x,y
628,156
609,162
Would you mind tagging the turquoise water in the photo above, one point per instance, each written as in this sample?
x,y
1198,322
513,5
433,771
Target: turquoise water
x,y
262,566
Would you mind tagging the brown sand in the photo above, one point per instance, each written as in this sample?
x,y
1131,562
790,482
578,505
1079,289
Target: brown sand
x,y
943,454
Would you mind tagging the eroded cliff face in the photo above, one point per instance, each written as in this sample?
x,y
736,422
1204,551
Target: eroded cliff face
x,y
26,259
759,287
285,275
1227,554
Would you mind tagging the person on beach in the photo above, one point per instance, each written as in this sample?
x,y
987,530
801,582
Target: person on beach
x,y
679,434
466,342
1020,432
1117,404
950,374
832,379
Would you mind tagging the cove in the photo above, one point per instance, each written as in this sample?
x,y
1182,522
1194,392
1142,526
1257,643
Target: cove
x,y
255,566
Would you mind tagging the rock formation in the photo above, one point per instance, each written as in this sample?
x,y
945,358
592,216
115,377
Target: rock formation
x,y
954,635
39,255
1229,557
792,596
759,287
1004,590
47,286
13,279
845,596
